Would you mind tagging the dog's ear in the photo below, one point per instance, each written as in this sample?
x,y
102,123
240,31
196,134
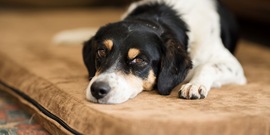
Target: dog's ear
x,y
89,57
174,66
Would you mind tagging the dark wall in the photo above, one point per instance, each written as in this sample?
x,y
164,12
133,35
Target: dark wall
x,y
253,18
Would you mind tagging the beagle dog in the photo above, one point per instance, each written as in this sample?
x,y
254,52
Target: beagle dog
x,y
160,44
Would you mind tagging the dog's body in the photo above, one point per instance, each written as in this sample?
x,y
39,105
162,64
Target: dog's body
x,y
158,45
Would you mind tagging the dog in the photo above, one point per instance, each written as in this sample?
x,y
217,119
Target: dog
x,y
160,44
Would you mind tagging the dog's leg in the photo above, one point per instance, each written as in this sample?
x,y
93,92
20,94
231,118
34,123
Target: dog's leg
x,y
215,73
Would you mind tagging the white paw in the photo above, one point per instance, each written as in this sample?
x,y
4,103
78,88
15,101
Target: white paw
x,y
192,91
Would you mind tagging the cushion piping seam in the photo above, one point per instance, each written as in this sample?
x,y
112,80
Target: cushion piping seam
x,y
42,109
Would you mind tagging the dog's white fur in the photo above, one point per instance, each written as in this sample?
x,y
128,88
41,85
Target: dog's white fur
x,y
123,87
74,36
213,64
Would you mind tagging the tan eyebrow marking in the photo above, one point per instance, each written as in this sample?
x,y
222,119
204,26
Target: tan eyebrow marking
x,y
133,52
108,43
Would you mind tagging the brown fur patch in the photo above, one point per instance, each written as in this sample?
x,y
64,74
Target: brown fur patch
x,y
133,52
150,81
108,43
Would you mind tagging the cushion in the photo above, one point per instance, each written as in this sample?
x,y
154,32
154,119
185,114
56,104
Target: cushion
x,y
50,81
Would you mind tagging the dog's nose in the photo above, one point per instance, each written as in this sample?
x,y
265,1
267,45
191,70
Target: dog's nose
x,y
100,89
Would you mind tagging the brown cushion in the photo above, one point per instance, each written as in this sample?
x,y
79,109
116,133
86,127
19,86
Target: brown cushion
x,y
51,81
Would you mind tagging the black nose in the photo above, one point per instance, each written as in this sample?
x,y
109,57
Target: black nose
x,y
100,89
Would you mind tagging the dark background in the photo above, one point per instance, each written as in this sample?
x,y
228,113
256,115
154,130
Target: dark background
x,y
253,15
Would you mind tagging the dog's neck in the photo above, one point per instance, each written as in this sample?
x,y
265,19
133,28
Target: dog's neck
x,y
162,19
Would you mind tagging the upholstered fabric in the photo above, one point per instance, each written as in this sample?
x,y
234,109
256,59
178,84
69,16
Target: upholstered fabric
x,y
51,80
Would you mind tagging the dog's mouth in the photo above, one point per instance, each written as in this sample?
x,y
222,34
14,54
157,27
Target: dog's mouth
x,y
113,88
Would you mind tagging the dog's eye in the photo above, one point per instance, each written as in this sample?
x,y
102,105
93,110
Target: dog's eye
x,y
101,53
137,61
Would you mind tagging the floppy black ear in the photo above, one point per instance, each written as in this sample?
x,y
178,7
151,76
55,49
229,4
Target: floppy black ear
x,y
175,64
89,57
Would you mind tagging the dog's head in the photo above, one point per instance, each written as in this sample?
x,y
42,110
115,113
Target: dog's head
x,y
125,58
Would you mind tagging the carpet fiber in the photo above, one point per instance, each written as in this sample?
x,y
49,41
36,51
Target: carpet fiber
x,y
50,80
15,121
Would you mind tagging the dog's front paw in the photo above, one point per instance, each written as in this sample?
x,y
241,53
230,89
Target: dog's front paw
x,y
192,91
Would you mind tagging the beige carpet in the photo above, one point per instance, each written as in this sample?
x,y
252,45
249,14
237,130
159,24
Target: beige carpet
x,y
51,80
